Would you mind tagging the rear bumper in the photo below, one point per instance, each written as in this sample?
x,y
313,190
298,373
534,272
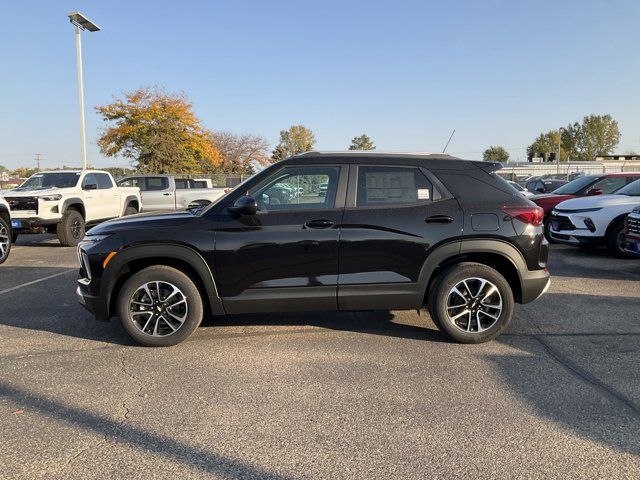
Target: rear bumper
x,y
93,304
534,284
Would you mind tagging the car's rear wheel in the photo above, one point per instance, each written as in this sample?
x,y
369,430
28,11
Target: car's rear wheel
x,y
70,228
471,302
5,240
615,241
160,306
130,210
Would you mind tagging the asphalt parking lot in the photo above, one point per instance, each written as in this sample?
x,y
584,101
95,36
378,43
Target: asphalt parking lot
x,y
359,395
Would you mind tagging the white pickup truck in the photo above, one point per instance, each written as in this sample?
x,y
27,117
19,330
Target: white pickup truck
x,y
67,201
165,192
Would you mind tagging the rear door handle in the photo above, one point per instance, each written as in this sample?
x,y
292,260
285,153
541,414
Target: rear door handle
x,y
319,224
439,219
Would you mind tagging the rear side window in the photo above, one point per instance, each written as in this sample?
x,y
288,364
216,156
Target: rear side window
x,y
609,185
156,183
392,186
104,182
182,183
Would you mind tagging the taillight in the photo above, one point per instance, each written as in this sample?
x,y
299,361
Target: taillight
x,y
529,215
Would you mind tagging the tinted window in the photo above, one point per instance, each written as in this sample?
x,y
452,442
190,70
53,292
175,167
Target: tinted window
x,y
104,182
182,183
392,186
156,183
89,179
200,184
297,188
128,182
632,189
609,185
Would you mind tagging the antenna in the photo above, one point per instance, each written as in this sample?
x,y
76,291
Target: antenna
x,y
445,147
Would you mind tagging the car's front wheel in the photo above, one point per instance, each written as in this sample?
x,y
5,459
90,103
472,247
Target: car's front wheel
x,y
70,228
159,306
5,240
471,302
615,241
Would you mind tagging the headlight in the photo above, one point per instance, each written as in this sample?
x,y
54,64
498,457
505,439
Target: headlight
x,y
51,198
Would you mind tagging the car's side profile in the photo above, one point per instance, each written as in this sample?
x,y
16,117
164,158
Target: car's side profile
x,y
6,230
359,232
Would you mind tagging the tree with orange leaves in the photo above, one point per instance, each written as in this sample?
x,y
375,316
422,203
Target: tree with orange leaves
x,y
159,132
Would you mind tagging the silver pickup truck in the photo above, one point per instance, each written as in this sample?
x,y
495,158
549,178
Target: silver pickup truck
x,y
165,192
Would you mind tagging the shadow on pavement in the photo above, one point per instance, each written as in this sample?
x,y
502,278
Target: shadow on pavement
x,y
191,456
371,322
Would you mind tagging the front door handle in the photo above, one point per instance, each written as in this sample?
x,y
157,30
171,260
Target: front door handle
x,y
439,219
319,224
166,194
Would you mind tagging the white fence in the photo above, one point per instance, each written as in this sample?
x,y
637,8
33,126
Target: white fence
x,y
518,171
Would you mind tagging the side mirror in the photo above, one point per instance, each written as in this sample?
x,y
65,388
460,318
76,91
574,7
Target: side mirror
x,y
90,186
244,206
594,191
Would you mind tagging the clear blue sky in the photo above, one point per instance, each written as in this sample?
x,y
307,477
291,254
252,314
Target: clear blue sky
x,y
406,73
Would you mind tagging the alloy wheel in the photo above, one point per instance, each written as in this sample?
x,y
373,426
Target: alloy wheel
x,y
158,308
474,305
4,241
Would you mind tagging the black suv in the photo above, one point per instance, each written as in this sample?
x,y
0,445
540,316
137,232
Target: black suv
x,y
327,231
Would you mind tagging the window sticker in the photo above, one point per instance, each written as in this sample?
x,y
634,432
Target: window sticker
x,y
423,194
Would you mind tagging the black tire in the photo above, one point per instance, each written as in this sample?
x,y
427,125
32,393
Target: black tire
x,y
133,325
71,228
5,240
547,228
130,210
439,297
613,240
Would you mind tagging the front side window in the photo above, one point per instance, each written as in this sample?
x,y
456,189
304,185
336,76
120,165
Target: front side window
x,y
128,182
156,183
296,188
89,179
392,186
609,185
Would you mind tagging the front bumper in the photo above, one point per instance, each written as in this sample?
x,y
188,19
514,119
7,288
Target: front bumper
x,y
92,303
631,245
31,223
576,237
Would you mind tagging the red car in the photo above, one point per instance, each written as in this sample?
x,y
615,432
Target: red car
x,y
599,184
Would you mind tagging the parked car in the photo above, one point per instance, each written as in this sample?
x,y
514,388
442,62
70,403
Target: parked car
x,y
392,232
165,192
583,186
66,201
632,233
542,185
520,189
593,221
6,231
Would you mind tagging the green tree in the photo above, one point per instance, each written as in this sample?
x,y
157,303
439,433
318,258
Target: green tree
x,y
117,172
495,154
544,143
298,139
599,135
158,132
23,172
363,142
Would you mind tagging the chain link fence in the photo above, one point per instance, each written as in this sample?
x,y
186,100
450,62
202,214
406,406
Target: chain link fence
x,y
566,170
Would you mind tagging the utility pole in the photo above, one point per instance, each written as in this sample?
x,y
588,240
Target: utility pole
x,y
37,159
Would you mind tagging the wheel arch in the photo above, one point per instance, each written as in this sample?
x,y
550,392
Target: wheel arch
x,y
181,257
614,222
131,200
497,254
76,204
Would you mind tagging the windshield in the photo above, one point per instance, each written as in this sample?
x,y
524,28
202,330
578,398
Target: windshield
x,y
633,189
41,181
576,185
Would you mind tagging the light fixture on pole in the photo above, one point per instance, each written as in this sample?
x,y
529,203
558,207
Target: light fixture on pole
x,y
81,23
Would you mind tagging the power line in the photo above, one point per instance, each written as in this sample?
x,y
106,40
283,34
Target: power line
x,y
38,159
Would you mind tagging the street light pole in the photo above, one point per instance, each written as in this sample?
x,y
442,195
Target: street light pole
x,y
560,130
81,23
81,98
